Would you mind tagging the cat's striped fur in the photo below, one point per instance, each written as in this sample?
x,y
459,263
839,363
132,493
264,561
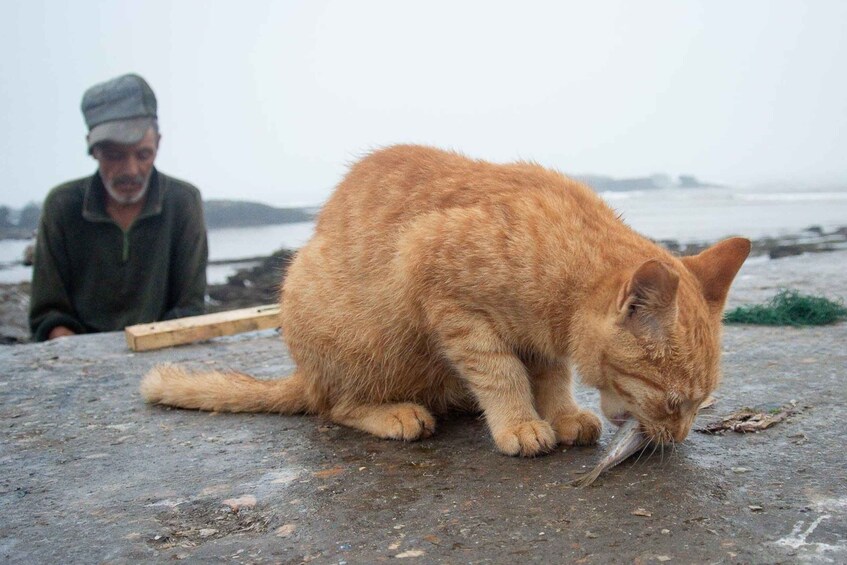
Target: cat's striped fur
x,y
436,282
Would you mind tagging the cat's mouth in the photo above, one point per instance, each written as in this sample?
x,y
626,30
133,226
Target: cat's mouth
x,y
619,418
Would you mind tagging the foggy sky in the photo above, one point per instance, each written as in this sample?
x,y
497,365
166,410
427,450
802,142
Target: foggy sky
x,y
270,101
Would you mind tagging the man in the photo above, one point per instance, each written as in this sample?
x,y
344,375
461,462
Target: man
x,y
126,245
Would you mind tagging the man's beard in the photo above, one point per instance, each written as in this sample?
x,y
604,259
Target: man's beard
x,y
126,199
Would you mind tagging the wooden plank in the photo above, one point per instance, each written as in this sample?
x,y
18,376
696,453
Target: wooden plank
x,y
144,337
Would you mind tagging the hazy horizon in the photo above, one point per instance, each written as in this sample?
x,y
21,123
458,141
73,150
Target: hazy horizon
x,y
270,101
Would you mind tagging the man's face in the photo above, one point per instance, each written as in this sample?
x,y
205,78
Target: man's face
x,y
126,169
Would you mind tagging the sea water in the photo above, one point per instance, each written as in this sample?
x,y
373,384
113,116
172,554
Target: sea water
x,y
233,245
685,215
709,214
249,243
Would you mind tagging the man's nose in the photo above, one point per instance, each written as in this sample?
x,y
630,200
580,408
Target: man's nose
x,y
132,166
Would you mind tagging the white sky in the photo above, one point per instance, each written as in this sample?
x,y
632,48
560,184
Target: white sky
x,y
269,101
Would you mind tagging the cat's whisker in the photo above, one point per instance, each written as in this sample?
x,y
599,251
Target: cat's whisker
x,y
640,453
672,452
655,447
643,451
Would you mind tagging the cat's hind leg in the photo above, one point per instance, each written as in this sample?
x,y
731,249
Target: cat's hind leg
x,y
405,420
553,389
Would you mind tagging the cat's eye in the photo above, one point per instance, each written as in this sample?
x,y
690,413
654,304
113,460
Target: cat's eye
x,y
673,403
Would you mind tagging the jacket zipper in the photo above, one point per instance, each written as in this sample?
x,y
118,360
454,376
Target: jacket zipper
x,y
126,246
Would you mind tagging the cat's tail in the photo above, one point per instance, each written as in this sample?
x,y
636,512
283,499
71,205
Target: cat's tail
x,y
225,392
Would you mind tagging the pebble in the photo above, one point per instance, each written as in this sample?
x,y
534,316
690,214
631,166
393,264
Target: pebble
x,y
410,553
246,501
285,531
327,473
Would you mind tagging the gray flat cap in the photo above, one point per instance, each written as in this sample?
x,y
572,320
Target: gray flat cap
x,y
119,110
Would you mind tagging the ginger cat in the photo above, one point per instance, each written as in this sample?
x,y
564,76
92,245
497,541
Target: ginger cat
x,y
436,282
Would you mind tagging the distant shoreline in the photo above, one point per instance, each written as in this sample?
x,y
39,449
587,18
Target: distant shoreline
x,y
813,239
219,214
16,233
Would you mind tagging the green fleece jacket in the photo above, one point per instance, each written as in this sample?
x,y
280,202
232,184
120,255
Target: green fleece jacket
x,y
92,276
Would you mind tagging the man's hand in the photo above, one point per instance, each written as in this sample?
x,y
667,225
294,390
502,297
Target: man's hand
x,y
59,331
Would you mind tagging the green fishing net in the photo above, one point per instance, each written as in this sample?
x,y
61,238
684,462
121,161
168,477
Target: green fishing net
x,y
789,308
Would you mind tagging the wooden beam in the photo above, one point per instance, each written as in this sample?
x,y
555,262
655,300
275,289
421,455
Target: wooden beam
x,y
144,337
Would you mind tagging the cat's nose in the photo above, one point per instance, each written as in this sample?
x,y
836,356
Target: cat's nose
x,y
680,430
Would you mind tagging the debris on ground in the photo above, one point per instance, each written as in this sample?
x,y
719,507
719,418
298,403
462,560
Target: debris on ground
x,y
750,420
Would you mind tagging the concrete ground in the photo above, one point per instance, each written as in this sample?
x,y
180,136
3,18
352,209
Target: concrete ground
x,y
90,474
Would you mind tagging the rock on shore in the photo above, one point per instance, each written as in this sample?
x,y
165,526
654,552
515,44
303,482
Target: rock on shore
x,y
14,306
251,287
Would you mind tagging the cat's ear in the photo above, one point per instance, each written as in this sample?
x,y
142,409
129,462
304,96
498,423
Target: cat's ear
x,y
717,266
647,301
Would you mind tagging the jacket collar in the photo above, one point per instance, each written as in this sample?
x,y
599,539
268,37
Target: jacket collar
x,y
94,201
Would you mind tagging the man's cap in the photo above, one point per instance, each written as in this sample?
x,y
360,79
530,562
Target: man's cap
x,y
119,110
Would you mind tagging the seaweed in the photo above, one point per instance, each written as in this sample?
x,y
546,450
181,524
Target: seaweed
x,y
789,308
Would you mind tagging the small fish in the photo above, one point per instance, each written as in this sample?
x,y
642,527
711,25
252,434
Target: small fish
x,y
627,440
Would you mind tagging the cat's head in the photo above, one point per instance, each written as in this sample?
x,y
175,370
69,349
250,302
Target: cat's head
x,y
656,350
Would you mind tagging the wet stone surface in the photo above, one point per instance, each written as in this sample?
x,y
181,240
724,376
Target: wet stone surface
x,y
91,474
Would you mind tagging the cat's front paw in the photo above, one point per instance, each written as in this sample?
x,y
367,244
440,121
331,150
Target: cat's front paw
x,y
580,428
528,439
